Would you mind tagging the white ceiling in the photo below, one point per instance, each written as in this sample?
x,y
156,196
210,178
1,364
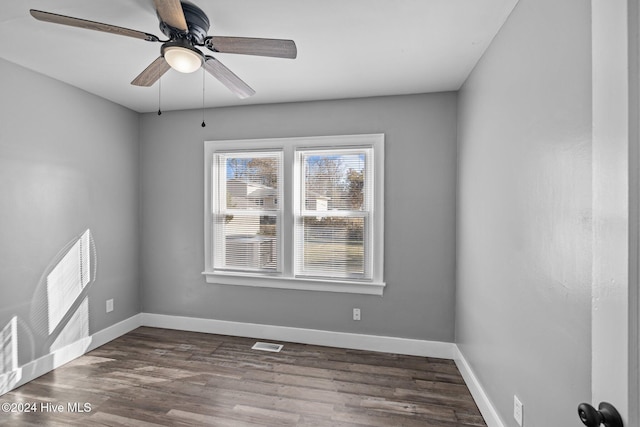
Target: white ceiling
x,y
346,48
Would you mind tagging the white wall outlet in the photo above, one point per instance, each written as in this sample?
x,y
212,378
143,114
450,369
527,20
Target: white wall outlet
x,y
356,314
517,410
109,305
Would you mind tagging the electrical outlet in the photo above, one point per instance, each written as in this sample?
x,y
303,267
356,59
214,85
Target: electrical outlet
x,y
109,305
517,410
356,314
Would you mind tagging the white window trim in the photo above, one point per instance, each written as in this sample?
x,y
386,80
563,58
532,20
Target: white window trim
x,y
287,279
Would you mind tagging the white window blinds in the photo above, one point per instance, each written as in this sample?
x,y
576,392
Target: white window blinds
x,y
246,213
334,209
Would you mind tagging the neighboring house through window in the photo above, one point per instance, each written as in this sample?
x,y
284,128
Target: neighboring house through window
x,y
300,213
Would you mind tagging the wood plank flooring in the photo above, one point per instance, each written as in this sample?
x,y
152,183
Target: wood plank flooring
x,y
160,377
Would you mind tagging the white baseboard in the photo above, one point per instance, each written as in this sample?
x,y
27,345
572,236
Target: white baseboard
x,y
102,337
487,409
57,358
406,346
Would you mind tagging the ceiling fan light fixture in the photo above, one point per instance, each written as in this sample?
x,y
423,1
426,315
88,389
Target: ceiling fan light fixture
x,y
183,59
186,26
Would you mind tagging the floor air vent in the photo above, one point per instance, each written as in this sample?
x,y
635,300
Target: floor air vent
x,y
267,346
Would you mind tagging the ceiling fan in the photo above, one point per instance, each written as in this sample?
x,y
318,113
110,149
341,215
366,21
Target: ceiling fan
x,y
186,26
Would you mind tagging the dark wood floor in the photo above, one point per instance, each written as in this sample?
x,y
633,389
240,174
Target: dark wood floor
x,y
152,377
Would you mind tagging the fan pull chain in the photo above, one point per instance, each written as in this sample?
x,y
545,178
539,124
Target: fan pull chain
x,y
159,95
203,123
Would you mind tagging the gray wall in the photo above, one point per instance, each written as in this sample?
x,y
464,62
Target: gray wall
x,y
419,216
68,162
523,311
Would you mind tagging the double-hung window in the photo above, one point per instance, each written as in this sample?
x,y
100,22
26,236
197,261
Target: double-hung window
x,y
246,221
296,213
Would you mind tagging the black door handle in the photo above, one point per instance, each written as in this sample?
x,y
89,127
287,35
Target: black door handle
x,y
606,415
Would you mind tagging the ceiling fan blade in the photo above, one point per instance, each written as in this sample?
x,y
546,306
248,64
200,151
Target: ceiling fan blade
x,y
277,48
171,13
152,73
227,78
91,25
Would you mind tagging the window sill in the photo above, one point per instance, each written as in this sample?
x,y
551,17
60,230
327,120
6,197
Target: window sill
x,y
260,281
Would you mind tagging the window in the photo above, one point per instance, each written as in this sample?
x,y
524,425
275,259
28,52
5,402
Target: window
x,y
298,213
245,219
333,210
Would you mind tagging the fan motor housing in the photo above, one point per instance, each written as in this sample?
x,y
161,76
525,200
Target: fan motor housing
x,y
197,22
